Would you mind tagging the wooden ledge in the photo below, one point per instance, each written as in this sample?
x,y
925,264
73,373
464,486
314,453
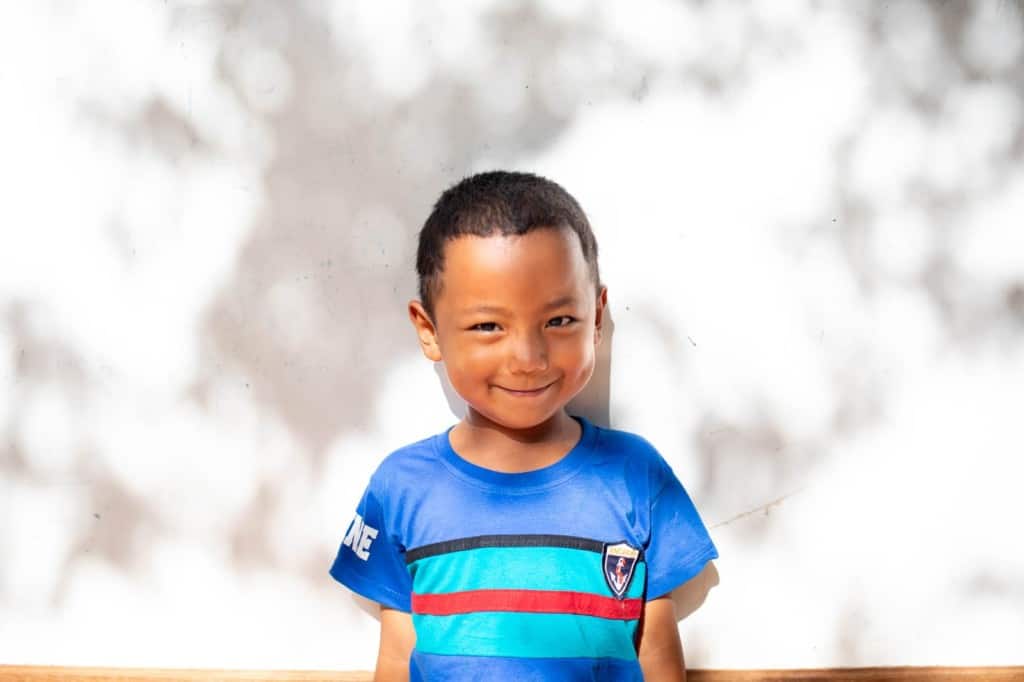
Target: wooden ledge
x,y
31,673
42,673
889,674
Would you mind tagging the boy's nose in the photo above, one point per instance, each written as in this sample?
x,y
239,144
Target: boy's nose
x,y
529,353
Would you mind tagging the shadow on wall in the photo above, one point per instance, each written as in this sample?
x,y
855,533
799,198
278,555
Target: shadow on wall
x,y
925,59
313,311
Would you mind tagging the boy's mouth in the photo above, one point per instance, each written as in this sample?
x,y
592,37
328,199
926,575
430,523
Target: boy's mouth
x,y
528,392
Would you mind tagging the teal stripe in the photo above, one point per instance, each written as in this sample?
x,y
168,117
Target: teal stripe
x,y
517,568
525,635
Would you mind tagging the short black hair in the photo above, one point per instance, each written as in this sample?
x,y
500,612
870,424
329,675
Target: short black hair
x,y
497,202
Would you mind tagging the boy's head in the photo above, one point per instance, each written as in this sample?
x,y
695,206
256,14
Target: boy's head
x,y
503,203
511,298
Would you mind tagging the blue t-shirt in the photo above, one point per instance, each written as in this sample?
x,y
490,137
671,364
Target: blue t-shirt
x,y
539,575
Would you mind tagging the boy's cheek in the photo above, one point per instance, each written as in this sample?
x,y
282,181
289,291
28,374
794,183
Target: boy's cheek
x,y
471,357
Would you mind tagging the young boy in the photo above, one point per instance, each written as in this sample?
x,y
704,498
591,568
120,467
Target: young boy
x,y
522,543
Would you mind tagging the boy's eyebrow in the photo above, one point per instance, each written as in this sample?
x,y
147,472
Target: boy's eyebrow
x,y
559,302
493,309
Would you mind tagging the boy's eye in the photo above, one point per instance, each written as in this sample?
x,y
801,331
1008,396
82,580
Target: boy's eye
x,y
562,321
484,327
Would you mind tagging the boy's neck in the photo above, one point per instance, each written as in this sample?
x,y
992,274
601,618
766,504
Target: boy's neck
x,y
487,444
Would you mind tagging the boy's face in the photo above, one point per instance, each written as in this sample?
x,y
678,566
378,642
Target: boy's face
x,y
517,322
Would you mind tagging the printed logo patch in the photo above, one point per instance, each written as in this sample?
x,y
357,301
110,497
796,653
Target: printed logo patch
x,y
359,537
619,562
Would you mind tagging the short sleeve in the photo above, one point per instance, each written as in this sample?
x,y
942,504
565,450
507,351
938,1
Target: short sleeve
x,y
370,562
679,545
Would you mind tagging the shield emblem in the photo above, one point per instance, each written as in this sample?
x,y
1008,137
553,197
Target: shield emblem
x,y
619,563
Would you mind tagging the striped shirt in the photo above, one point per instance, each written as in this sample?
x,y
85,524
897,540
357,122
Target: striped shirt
x,y
535,576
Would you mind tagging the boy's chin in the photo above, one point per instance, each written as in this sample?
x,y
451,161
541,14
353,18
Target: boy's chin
x,y
526,419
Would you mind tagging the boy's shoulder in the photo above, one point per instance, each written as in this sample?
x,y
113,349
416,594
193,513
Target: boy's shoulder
x,y
628,442
632,450
409,459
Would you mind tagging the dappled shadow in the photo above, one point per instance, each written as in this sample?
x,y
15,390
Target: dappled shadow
x,y
314,312
343,153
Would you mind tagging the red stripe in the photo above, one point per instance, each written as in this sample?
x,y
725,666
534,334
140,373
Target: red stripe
x,y
526,601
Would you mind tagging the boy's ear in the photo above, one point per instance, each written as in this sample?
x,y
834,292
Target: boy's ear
x,y
602,302
425,330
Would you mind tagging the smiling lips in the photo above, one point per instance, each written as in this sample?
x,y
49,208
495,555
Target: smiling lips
x,y
527,394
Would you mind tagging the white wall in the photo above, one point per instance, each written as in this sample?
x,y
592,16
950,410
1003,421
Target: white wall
x,y
811,229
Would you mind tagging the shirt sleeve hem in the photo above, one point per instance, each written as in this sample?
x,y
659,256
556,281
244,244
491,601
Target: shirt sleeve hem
x,y
662,585
376,592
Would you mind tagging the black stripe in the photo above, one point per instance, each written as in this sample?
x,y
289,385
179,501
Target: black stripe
x,y
462,544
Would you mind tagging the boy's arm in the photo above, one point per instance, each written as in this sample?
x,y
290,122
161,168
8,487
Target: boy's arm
x,y
397,638
661,652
